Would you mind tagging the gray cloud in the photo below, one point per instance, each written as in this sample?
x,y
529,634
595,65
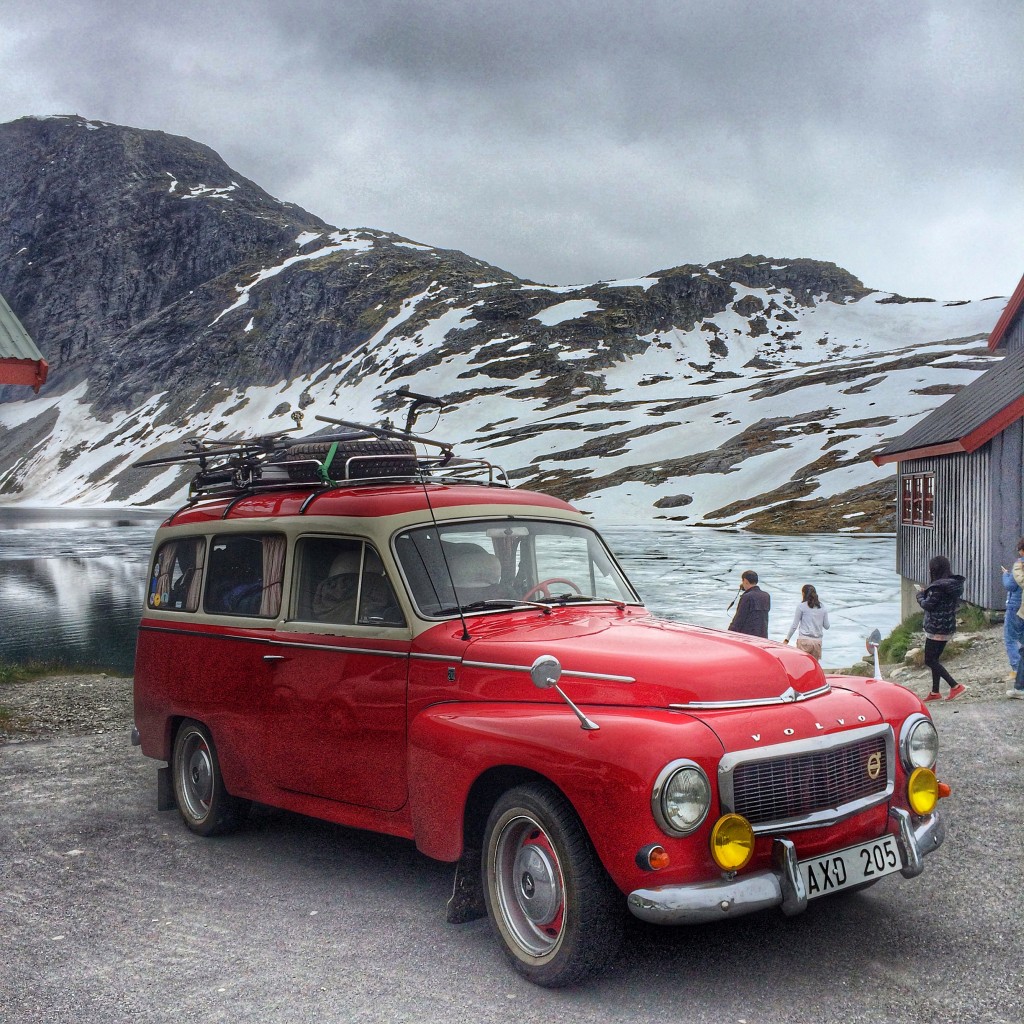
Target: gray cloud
x,y
584,140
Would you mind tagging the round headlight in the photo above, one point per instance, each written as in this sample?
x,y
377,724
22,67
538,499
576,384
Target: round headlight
x,y
922,791
732,842
919,743
681,798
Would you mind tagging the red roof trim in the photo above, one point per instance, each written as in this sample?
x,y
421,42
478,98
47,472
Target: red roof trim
x,y
1013,307
998,423
31,372
968,443
948,448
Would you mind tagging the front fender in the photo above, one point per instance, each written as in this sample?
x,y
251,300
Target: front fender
x,y
606,774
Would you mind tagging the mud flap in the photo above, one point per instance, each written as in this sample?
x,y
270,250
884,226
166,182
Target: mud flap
x,y
467,900
165,790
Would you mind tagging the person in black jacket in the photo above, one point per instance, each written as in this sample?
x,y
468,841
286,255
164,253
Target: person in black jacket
x,y
940,600
752,612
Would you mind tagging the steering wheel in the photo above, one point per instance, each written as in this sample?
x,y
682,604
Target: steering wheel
x,y
543,588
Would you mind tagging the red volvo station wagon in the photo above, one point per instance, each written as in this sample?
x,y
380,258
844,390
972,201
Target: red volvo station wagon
x,y
407,644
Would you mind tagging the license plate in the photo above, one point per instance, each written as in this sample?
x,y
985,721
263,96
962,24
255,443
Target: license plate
x,y
852,866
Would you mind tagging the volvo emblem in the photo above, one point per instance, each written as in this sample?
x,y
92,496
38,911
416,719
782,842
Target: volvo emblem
x,y
874,765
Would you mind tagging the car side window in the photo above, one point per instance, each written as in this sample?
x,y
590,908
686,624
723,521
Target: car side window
x,y
177,577
344,581
245,575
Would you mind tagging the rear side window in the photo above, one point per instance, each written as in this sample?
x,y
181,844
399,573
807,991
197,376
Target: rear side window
x,y
177,576
344,581
245,574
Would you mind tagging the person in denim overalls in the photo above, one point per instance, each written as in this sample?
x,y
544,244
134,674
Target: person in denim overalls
x,y
1012,623
1017,576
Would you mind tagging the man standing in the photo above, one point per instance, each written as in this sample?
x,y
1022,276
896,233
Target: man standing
x,y
752,612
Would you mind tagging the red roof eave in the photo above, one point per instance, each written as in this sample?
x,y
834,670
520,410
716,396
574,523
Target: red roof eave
x,y
968,443
31,372
1013,307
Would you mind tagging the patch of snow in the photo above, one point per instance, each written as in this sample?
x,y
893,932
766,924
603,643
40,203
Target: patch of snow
x,y
559,289
211,191
342,242
635,282
573,309
305,237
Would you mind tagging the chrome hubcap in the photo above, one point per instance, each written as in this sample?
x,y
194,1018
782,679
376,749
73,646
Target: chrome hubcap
x,y
197,776
539,893
528,886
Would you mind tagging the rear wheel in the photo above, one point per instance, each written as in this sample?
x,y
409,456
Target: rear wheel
x,y
549,899
206,807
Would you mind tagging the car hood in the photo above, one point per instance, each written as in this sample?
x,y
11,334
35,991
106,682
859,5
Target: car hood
x,y
627,656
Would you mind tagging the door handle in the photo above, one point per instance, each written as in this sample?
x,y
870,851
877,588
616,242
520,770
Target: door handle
x,y
274,657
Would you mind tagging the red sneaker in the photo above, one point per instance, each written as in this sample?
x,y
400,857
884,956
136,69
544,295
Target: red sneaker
x,y
933,696
956,691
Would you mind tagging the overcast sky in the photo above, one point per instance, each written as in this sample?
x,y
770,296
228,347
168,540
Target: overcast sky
x,y
571,141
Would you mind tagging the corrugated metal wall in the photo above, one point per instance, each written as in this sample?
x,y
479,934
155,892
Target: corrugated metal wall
x,y
1014,337
964,531
1007,491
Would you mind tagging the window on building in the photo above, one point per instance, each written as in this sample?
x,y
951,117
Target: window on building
x,y
917,499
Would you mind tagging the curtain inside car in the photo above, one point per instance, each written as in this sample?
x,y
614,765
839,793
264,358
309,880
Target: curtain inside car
x,y
273,575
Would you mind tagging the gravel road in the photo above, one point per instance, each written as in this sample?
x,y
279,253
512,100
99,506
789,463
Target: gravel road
x,y
111,911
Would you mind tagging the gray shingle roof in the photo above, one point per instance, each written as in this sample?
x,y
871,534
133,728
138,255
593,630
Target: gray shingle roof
x,y
967,411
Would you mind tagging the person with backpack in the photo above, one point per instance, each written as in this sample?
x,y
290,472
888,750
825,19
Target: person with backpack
x,y
940,600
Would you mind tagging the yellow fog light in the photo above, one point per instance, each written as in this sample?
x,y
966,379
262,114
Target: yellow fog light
x,y
732,842
922,791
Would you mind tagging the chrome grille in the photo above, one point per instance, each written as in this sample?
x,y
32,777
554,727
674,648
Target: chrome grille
x,y
804,785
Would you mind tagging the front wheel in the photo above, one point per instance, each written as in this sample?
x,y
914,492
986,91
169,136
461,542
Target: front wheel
x,y
549,899
206,807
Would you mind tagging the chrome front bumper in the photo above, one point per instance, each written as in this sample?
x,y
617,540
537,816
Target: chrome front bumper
x,y
780,886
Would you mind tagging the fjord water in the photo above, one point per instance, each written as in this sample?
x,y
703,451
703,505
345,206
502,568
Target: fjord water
x,y
72,582
71,586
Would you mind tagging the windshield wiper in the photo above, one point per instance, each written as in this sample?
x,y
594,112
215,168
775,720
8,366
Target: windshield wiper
x,y
480,606
586,599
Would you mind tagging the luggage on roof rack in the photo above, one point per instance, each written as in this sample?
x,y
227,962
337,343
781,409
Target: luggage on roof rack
x,y
309,460
361,453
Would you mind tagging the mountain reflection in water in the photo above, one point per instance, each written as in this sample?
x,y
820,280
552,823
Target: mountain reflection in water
x,y
72,582
72,585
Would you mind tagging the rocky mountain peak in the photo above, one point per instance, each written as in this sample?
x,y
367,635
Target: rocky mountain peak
x,y
173,298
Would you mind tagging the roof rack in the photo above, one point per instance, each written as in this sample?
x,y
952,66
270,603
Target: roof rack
x,y
362,454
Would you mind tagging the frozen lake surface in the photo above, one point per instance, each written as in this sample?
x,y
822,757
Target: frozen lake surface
x,y
72,582
692,575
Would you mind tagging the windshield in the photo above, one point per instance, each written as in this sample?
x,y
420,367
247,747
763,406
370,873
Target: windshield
x,y
460,566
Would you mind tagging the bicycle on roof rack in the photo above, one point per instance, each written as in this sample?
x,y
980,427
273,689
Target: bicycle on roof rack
x,y
361,454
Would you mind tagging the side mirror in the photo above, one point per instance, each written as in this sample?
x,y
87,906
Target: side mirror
x,y
872,643
545,672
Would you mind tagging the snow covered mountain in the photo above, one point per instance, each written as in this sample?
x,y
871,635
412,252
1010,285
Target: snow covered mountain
x,y
174,298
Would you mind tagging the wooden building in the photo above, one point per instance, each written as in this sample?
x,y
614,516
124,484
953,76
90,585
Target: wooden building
x,y
20,361
961,476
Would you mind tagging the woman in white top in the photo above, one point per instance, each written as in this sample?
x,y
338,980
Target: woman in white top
x,y
810,620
